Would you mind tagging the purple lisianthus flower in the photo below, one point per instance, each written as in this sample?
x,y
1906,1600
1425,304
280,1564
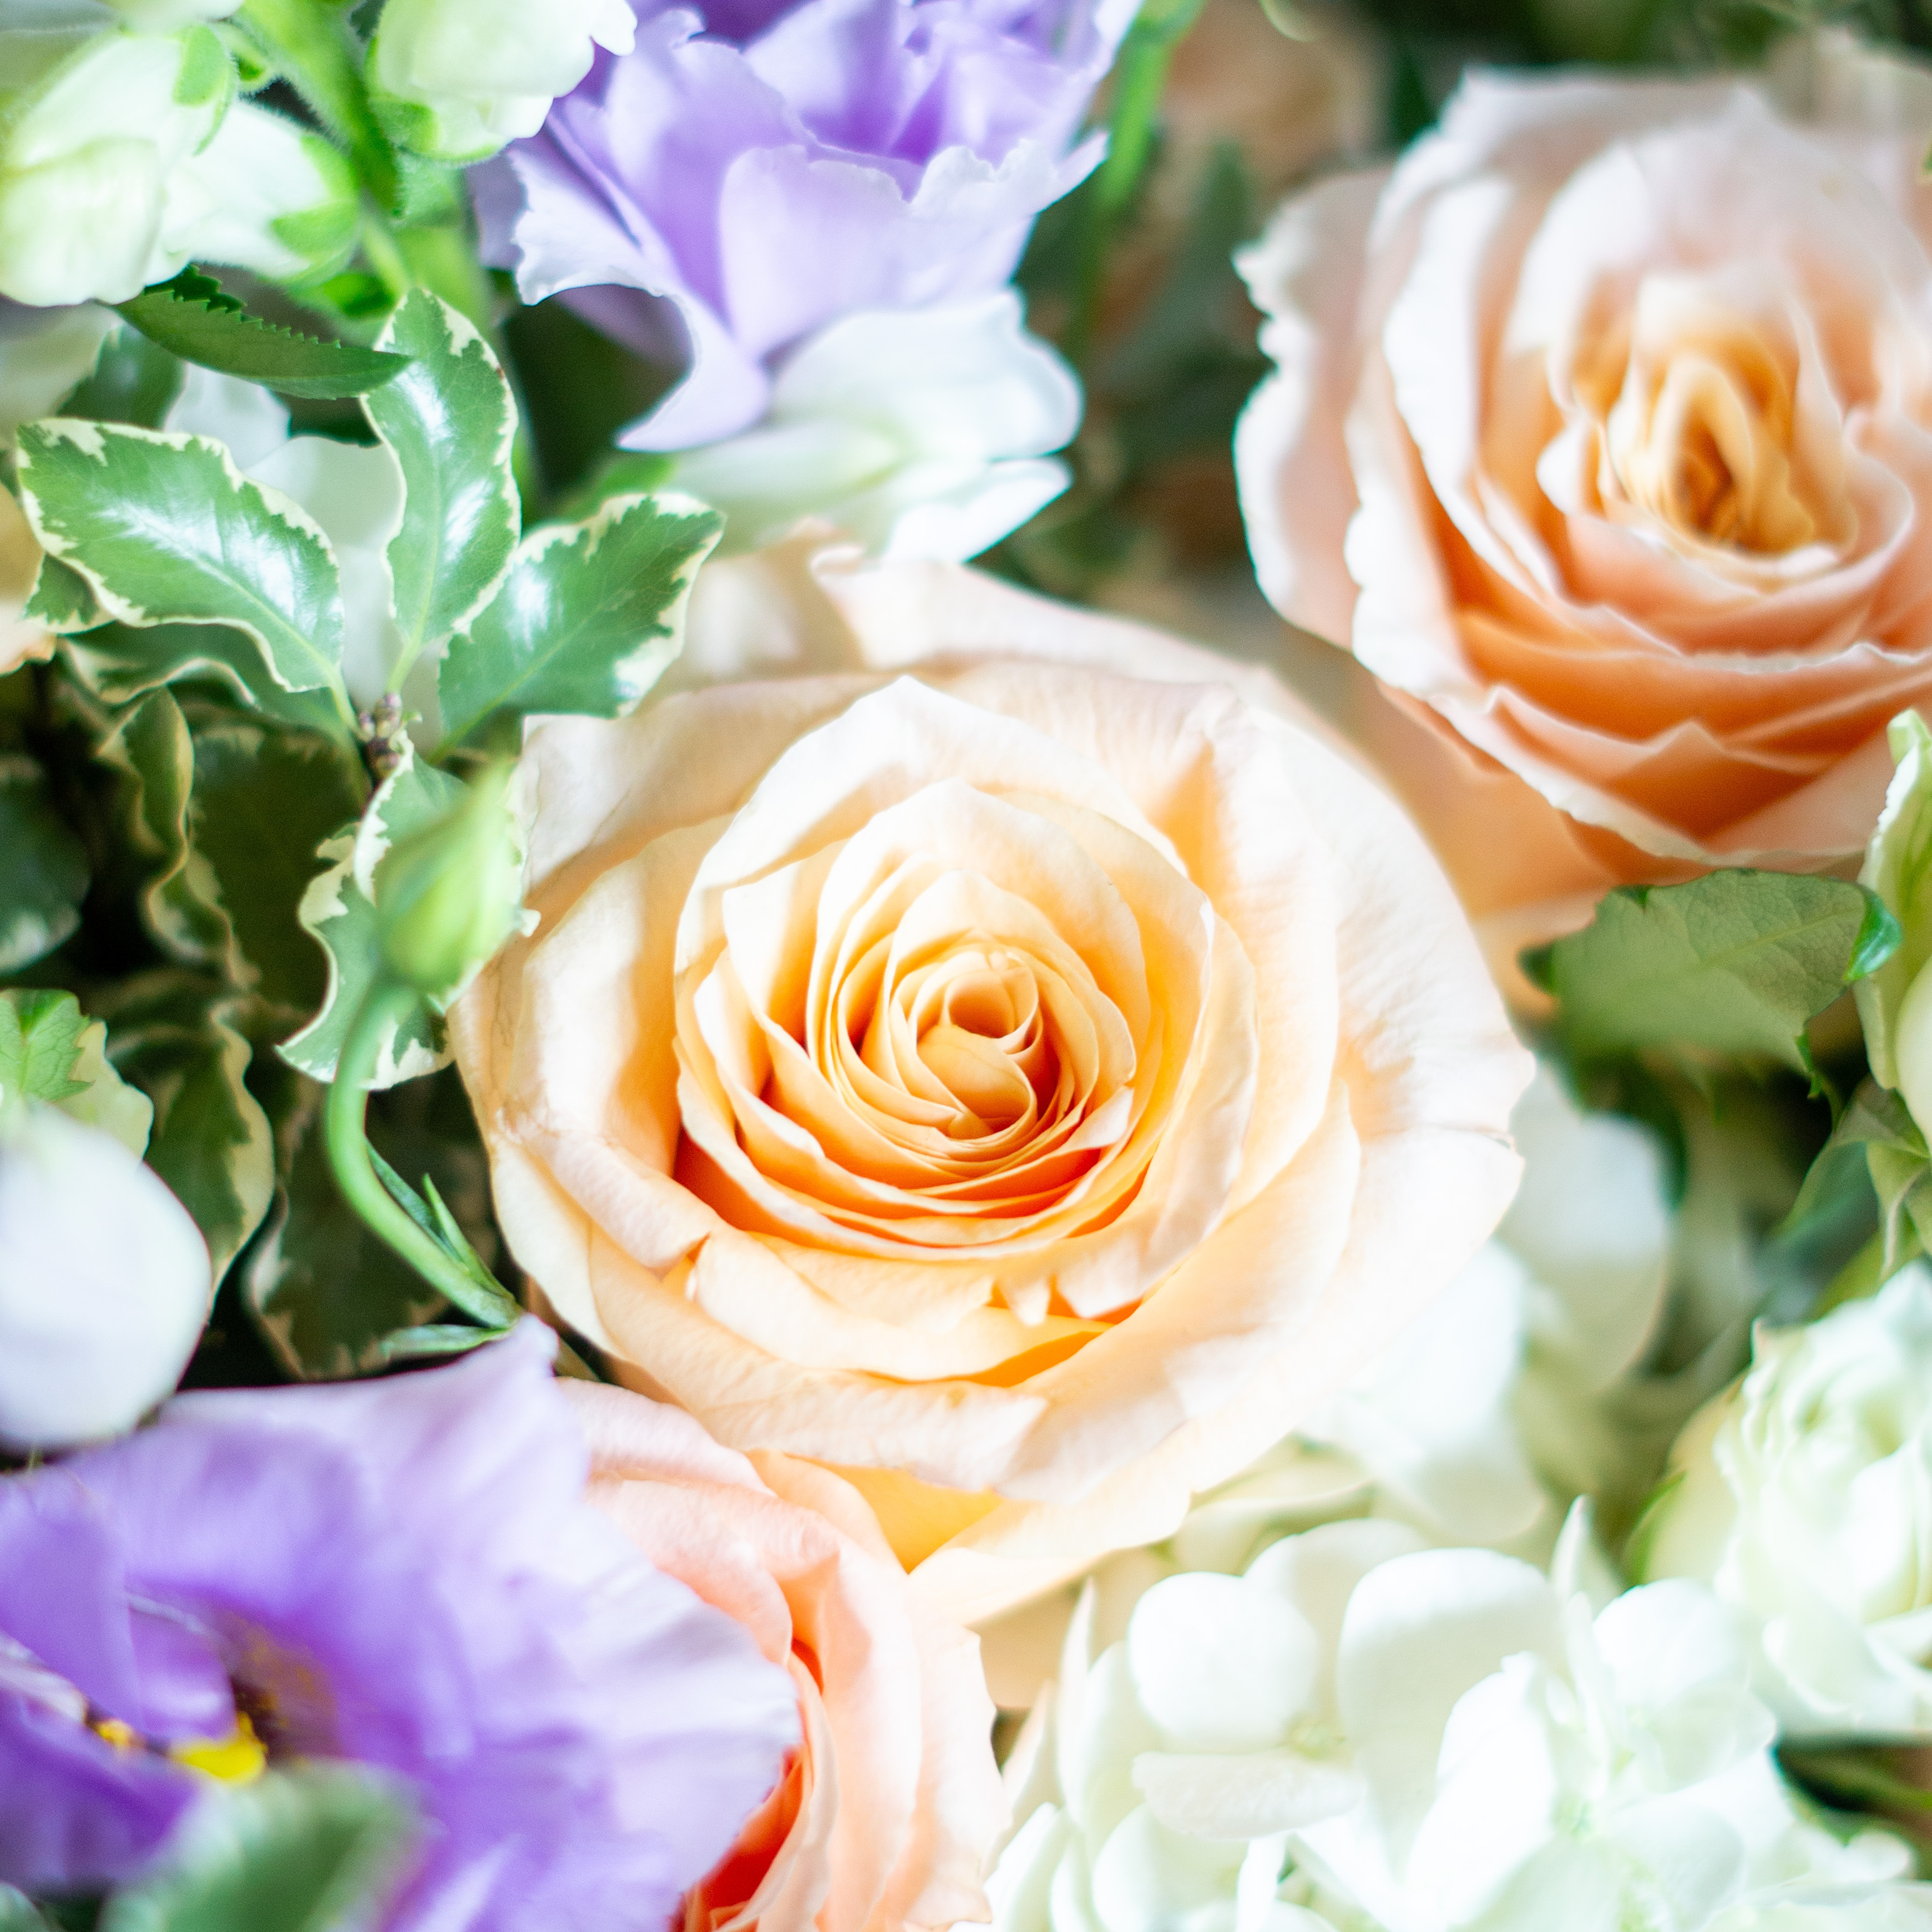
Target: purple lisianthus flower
x,y
402,1574
753,169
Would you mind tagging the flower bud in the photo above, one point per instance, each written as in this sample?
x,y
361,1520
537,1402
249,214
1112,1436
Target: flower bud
x,y
96,126
105,1283
458,78
447,897
124,157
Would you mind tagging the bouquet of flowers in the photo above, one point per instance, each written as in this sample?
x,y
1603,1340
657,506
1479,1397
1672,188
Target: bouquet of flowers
x,y
965,961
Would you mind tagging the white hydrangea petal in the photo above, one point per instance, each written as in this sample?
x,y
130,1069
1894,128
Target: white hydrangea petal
x,y
245,416
1218,1666
1247,1794
1420,1631
1148,1879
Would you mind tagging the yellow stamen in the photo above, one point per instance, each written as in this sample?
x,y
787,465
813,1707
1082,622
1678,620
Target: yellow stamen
x,y
235,1759
122,1737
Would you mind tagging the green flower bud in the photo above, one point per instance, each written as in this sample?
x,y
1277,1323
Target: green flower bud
x,y
447,897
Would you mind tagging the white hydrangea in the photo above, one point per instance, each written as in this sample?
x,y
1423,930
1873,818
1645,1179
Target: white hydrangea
x,y
927,433
1804,1496
1364,1734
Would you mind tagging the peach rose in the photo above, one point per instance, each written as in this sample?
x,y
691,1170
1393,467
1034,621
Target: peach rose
x,y
22,639
1603,437
886,1813
1023,1087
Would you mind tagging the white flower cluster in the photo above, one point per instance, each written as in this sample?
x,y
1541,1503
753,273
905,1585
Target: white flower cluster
x,y
1385,1683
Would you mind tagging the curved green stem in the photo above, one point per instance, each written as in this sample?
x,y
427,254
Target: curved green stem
x,y
387,1003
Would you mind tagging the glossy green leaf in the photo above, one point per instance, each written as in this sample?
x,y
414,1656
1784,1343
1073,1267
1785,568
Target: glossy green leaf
x,y
44,870
451,421
39,1043
63,599
338,910
586,621
172,1034
311,1849
119,664
1877,1124
264,801
191,317
165,528
1736,962
151,746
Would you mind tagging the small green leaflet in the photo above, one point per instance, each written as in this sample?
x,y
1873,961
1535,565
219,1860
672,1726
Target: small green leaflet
x,y
586,621
263,801
19,1914
1876,1123
451,421
166,527
40,1041
314,1848
172,1035
43,869
1898,868
1737,962
338,910
192,318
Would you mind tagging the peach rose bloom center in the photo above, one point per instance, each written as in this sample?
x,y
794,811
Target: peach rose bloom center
x,y
1014,1086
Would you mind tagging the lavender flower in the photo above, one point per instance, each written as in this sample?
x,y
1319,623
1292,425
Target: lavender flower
x,y
401,1573
749,173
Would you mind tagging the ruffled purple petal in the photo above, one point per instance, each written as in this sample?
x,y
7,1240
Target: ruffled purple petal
x,y
765,170
404,1574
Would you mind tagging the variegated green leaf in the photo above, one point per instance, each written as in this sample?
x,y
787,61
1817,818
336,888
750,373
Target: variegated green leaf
x,y
264,801
166,529
63,599
173,1035
450,420
586,621
44,870
150,745
119,664
339,910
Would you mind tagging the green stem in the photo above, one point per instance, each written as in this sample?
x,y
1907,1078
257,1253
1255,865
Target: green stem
x,y
387,1004
1140,77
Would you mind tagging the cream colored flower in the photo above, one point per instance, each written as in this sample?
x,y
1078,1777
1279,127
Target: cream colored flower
x,y
1022,1086
1602,437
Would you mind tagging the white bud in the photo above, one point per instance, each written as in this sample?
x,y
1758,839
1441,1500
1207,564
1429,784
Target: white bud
x,y
264,194
1912,1046
105,1283
923,434
94,131
458,78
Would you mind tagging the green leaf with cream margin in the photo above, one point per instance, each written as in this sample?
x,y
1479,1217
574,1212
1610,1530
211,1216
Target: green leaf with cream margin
x,y
451,421
1898,868
173,1034
44,868
339,909
50,1050
165,529
586,621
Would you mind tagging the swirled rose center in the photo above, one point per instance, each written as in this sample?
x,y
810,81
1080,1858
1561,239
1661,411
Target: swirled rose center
x,y
1704,440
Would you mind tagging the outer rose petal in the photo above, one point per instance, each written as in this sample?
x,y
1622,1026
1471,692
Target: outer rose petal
x,y
885,1820
991,1489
